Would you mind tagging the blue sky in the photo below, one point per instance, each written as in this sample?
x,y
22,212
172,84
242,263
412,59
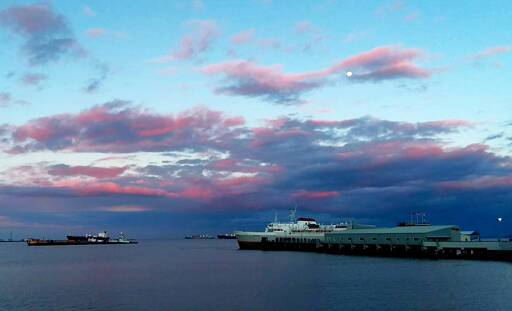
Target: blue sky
x,y
148,84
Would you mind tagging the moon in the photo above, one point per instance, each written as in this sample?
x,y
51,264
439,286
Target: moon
x,y
349,74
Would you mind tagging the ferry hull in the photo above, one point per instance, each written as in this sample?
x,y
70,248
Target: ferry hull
x,y
278,240
249,245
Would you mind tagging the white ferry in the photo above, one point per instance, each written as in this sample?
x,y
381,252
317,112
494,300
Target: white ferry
x,y
304,230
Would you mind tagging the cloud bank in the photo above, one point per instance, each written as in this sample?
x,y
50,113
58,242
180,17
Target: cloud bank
x,y
365,167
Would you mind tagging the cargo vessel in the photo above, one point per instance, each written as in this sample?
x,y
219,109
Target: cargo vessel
x,y
89,239
199,237
226,236
11,240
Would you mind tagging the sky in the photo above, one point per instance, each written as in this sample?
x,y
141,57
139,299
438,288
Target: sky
x,y
164,118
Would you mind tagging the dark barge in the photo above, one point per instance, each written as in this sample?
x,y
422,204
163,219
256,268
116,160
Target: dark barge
x,y
100,239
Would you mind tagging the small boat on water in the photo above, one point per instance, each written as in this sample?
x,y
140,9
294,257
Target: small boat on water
x,y
227,236
199,237
88,239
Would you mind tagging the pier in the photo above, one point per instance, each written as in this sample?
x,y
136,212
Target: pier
x,y
403,241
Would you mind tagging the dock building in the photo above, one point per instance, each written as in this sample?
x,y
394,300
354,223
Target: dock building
x,y
416,240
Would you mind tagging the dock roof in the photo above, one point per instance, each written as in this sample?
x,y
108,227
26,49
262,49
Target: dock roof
x,y
471,232
404,229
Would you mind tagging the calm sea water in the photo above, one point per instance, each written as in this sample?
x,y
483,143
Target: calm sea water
x,y
215,275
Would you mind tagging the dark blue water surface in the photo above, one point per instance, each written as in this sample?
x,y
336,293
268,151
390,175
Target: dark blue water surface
x,y
215,275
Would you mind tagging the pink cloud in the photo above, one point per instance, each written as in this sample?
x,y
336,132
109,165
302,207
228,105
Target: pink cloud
x,y
239,166
125,209
304,26
193,44
356,36
92,171
198,4
385,152
489,51
380,56
164,125
114,158
270,140
382,63
162,59
235,121
197,192
276,131
242,37
269,43
314,194
389,7
324,111
482,182
363,157
412,16
229,184
274,169
380,153
324,122
88,11
315,36
229,162
113,127
422,150
296,131
170,70
252,80
94,32
449,123
30,79
112,188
